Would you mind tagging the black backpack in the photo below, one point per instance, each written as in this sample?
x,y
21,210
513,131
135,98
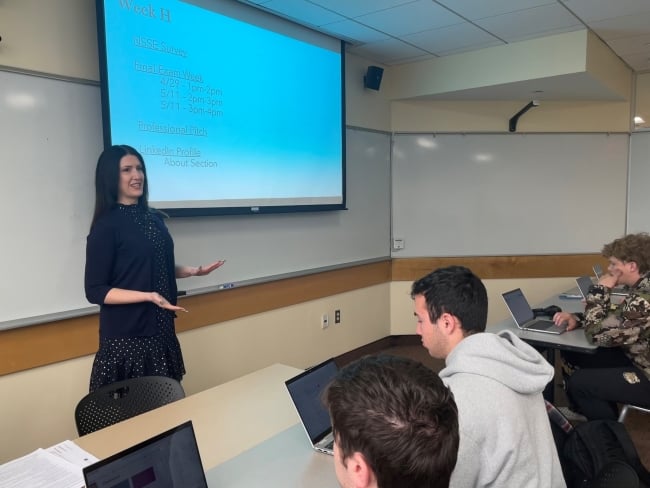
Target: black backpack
x,y
591,446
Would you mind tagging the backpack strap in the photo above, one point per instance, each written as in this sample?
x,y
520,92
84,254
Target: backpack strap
x,y
631,454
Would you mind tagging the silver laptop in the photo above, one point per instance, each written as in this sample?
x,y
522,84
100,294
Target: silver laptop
x,y
306,391
524,317
618,291
598,271
168,460
584,283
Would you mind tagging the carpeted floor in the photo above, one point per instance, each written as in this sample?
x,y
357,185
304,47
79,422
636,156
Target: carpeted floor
x,y
637,423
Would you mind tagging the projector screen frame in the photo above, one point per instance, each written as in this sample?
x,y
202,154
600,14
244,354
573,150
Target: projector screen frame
x,y
232,209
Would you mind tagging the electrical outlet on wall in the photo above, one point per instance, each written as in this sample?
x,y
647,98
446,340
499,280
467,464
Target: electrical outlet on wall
x,y
337,316
324,321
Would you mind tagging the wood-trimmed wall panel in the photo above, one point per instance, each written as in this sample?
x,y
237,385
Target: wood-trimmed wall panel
x,y
38,345
502,267
43,344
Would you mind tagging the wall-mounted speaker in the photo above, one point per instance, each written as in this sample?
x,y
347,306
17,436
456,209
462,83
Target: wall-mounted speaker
x,y
372,79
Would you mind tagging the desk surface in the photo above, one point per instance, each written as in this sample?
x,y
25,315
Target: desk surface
x,y
283,461
228,419
574,340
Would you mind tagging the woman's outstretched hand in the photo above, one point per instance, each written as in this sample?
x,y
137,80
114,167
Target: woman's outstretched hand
x,y
205,270
162,302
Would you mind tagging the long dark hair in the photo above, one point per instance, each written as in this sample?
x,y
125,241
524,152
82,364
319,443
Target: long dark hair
x,y
107,177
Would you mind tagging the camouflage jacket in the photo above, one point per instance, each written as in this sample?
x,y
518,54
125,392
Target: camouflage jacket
x,y
626,325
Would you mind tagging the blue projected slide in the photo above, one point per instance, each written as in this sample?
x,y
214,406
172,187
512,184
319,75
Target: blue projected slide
x,y
232,109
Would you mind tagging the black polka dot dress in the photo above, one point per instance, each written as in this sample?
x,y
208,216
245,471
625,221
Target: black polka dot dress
x,y
159,354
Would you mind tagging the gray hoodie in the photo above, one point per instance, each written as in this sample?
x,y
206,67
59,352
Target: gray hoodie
x,y
505,436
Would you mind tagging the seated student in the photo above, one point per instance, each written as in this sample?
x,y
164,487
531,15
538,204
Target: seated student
x,y
620,369
395,425
497,381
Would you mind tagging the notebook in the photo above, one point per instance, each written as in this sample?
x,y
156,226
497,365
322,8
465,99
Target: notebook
x,y
524,317
306,391
168,460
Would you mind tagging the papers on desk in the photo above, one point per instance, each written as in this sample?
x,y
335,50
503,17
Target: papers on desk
x,y
56,467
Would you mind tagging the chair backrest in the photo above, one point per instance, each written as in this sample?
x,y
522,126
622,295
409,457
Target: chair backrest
x,y
625,408
124,399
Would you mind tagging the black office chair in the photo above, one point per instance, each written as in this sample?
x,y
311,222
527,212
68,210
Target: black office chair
x,y
124,399
615,474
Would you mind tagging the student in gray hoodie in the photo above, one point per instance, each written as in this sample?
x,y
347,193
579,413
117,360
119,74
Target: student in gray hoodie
x,y
497,381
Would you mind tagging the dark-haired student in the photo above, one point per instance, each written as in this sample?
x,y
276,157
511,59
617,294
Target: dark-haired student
x,y
497,381
131,274
395,425
619,371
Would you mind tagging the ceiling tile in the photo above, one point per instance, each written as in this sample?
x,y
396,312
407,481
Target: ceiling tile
x,y
410,18
530,23
355,8
477,9
453,38
594,10
444,27
631,45
357,33
638,62
304,12
387,51
617,27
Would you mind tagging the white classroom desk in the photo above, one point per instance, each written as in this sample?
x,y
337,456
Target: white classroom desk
x,y
247,430
573,340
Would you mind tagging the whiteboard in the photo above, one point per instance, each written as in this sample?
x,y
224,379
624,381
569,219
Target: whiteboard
x,y
638,215
50,132
508,194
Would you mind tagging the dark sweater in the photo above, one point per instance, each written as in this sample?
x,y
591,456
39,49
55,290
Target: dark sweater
x,y
119,255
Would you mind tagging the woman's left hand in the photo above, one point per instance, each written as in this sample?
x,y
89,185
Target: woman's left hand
x,y
205,270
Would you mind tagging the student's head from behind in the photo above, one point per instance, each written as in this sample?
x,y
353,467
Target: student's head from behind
x,y
395,425
629,257
120,176
450,303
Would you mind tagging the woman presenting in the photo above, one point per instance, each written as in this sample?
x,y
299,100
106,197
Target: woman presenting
x,y
131,274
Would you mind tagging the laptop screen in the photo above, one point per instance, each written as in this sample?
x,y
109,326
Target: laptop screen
x,y
584,283
168,460
305,391
598,270
518,305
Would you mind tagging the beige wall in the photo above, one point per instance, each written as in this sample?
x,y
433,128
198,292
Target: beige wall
x,y
57,37
488,116
544,57
365,108
37,407
642,97
536,290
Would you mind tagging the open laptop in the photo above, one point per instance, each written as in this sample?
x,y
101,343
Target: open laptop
x,y
584,283
168,460
524,317
598,271
617,291
306,391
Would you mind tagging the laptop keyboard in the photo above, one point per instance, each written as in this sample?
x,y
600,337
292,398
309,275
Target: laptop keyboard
x,y
542,325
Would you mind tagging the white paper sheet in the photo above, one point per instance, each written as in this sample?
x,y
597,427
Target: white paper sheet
x,y
60,466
